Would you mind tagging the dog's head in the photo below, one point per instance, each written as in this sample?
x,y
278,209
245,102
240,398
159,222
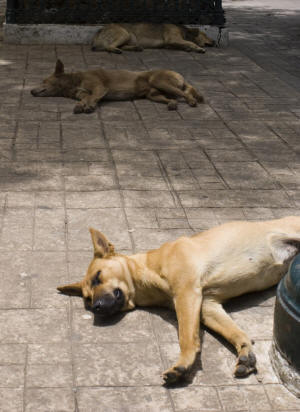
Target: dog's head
x,y
203,40
107,286
53,85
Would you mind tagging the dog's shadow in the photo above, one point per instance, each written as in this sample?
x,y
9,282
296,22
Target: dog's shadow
x,y
251,300
105,322
243,302
102,321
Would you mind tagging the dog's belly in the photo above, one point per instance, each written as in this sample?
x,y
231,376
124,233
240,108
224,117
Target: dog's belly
x,y
146,42
153,43
226,285
125,85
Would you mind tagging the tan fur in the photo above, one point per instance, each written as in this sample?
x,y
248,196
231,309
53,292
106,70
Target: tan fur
x,y
195,275
138,36
90,87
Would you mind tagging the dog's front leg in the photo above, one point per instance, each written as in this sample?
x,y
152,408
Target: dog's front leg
x,y
132,48
181,44
187,306
88,101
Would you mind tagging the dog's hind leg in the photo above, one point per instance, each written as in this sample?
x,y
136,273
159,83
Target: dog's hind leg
x,y
114,48
176,91
215,318
156,96
187,306
110,39
123,38
175,85
173,39
192,93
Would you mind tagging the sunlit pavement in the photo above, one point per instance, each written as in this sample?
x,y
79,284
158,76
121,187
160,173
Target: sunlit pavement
x,y
142,175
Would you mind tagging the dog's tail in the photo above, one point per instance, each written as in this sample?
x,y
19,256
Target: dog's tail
x,y
189,89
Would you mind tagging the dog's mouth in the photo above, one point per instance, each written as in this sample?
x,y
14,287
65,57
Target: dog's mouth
x,y
39,92
109,304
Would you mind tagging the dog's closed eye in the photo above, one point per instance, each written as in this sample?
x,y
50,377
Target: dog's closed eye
x,y
96,280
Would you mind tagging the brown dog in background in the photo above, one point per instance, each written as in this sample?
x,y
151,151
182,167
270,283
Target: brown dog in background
x,y
194,275
138,36
90,87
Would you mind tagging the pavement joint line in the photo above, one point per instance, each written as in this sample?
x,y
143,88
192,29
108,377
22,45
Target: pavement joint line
x,y
119,188
173,192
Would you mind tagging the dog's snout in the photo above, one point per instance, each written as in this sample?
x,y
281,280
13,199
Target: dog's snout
x,y
109,304
104,304
40,91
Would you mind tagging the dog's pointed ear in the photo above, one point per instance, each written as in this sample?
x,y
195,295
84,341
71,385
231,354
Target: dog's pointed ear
x,y
74,289
59,68
102,247
284,246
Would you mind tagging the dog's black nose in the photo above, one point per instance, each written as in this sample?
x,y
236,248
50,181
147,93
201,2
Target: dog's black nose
x,y
109,304
104,304
93,48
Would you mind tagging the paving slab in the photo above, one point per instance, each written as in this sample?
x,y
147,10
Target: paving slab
x,y
143,175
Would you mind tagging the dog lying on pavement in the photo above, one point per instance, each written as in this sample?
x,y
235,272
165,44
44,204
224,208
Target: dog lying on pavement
x,y
90,87
194,275
138,36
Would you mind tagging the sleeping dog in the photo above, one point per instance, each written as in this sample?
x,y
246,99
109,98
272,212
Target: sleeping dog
x,y
90,87
138,36
193,275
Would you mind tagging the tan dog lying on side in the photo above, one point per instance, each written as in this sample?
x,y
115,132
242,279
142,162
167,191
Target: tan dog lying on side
x,y
194,275
92,86
138,36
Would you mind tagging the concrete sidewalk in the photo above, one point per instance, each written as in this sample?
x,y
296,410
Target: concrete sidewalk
x,y
142,175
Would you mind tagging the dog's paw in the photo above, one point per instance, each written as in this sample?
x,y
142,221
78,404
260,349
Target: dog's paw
x,y
245,365
78,109
174,374
172,105
200,99
192,102
201,50
89,109
115,50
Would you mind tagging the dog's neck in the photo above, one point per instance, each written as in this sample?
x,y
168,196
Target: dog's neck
x,y
146,276
70,84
